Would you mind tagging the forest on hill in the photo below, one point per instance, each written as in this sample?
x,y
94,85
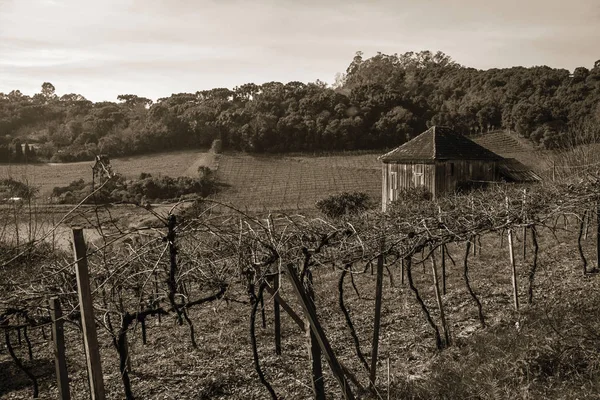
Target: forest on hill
x,y
379,102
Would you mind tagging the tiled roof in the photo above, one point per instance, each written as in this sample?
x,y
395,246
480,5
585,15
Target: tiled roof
x,y
439,143
514,171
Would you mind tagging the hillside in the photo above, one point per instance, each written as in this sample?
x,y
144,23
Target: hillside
x,y
377,98
282,182
264,182
259,183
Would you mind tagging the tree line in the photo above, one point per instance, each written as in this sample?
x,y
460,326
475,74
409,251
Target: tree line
x,y
379,102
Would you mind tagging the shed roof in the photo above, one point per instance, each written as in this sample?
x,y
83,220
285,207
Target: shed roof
x,y
439,143
513,170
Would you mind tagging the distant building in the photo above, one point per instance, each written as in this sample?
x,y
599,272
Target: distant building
x,y
442,161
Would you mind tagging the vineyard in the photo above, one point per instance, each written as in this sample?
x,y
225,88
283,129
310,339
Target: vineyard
x,y
257,183
260,183
490,294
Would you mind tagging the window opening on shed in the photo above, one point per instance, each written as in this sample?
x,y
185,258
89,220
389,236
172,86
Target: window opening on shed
x,y
451,169
394,180
393,185
418,179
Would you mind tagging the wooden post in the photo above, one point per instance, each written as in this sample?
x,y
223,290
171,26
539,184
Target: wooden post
x,y
318,383
553,171
438,297
402,272
586,220
598,235
143,324
60,361
128,353
512,264
156,302
316,328
88,323
444,269
388,378
524,244
16,215
314,350
443,251
277,316
474,237
287,308
262,313
378,296
53,233
514,269
525,226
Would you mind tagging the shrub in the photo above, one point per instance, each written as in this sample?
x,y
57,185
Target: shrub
x,y
12,188
419,193
470,186
412,200
205,173
74,154
339,205
76,186
147,186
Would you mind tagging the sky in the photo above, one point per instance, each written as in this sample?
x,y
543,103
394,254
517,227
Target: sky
x,y
154,48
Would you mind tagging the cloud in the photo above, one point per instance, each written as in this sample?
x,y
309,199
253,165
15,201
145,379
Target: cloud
x,y
160,46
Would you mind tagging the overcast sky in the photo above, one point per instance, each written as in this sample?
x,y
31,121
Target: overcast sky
x,y
154,48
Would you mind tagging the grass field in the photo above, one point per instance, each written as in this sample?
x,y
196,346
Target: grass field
x,y
47,176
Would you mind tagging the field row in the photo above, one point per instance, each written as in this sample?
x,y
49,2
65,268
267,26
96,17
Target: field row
x,y
276,183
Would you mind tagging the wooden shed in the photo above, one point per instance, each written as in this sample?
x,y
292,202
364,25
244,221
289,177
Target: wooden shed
x,y
439,159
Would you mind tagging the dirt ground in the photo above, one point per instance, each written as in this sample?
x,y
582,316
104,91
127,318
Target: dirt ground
x,y
168,367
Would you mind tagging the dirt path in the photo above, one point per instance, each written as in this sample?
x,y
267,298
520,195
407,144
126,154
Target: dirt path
x,y
209,159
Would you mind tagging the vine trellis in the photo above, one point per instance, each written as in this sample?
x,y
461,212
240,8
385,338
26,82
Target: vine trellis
x,y
185,262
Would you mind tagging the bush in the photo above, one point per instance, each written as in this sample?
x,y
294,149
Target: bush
x,y
146,186
12,188
76,186
73,155
466,187
412,200
419,193
339,205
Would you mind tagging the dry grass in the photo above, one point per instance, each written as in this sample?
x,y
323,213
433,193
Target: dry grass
x,y
548,350
47,176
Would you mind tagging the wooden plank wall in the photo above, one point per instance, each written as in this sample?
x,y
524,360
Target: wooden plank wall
x,y
439,178
384,186
448,177
406,178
